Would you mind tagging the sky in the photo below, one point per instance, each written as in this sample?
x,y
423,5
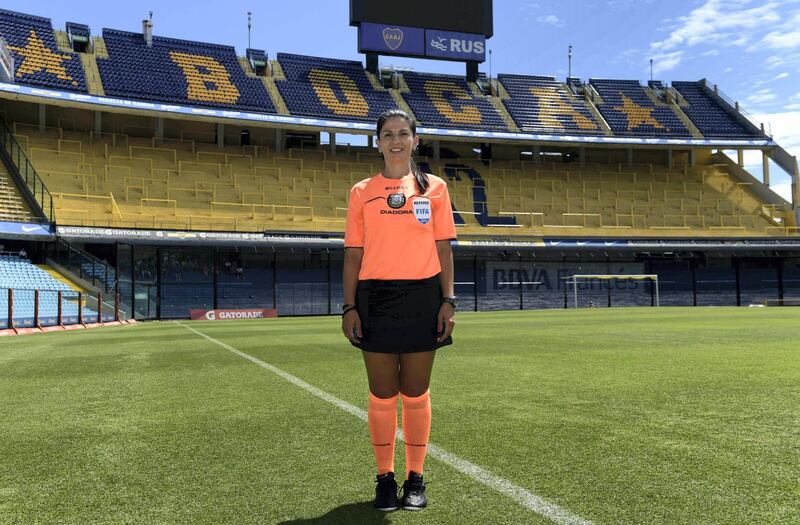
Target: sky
x,y
750,48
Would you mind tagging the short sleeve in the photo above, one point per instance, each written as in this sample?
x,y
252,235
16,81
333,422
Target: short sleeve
x,y
354,230
444,226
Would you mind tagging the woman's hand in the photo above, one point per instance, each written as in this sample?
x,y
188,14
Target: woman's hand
x,y
447,321
351,326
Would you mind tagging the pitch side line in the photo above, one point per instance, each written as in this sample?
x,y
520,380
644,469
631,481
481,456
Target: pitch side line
x,y
527,499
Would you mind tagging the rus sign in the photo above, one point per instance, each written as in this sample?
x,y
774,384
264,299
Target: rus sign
x,y
455,46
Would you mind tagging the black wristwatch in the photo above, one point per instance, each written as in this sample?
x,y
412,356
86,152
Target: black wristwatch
x,y
452,300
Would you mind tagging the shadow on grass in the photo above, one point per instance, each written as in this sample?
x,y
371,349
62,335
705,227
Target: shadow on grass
x,y
362,513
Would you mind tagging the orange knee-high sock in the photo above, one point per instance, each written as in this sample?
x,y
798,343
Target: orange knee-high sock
x,y
416,429
382,415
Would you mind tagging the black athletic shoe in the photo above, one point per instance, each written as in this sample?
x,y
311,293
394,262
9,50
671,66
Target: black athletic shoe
x,y
386,493
414,493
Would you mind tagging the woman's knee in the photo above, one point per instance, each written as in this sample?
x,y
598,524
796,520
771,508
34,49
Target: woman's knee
x,y
384,391
414,388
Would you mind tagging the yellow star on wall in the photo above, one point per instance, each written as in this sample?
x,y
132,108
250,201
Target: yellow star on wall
x,y
637,115
38,57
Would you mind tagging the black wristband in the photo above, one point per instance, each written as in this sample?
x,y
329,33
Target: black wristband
x,y
349,308
346,306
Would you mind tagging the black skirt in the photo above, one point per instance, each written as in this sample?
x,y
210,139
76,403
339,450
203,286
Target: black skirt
x,y
399,316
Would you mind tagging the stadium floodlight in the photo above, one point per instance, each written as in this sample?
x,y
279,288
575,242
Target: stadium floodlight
x,y
573,279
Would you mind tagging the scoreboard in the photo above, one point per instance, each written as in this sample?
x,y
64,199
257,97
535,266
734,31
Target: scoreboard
x,y
460,16
437,29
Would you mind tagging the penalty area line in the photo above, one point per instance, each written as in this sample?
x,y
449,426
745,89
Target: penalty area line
x,y
522,496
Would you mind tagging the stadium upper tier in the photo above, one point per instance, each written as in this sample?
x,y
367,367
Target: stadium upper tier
x,y
630,110
326,88
37,58
179,71
123,181
542,104
449,101
211,75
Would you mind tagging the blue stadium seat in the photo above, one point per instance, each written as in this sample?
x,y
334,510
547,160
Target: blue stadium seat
x,y
629,111
329,88
37,59
18,274
542,104
446,101
709,117
179,71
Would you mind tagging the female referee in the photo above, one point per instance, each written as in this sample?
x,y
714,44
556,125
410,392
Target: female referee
x,y
399,301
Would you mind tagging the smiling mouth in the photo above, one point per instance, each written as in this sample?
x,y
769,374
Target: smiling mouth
x,y
395,150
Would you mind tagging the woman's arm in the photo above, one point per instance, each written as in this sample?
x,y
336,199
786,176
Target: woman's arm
x,y
351,322
446,280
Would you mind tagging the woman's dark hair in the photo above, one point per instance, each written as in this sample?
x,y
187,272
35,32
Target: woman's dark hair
x,y
419,176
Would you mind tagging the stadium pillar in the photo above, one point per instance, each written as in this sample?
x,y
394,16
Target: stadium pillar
x,y
370,141
220,135
332,145
278,141
670,160
98,122
582,155
765,164
630,157
42,118
796,188
437,151
372,64
160,129
537,154
740,155
691,158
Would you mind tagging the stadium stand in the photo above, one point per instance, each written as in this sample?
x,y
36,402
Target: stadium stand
x,y
448,101
630,111
706,114
187,185
23,277
38,60
329,88
12,206
541,104
179,71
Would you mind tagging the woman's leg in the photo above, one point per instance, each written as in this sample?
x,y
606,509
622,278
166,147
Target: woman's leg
x,y
415,379
384,383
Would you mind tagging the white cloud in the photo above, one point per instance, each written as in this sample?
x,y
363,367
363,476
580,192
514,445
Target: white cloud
x,y
785,128
782,75
792,107
666,61
784,190
552,20
719,21
781,40
710,53
761,96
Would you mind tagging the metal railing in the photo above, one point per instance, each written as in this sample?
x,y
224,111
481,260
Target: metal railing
x,y
34,183
85,265
735,106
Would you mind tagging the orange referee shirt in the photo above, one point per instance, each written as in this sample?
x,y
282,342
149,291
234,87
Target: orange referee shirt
x,y
397,227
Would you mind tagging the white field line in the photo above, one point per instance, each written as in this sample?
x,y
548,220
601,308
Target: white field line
x,y
527,499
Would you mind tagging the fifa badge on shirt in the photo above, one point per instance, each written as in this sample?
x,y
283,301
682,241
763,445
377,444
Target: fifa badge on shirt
x,y
396,200
422,210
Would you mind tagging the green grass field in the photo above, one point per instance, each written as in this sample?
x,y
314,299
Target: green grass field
x,y
645,415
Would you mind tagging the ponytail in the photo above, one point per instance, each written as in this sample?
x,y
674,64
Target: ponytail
x,y
420,177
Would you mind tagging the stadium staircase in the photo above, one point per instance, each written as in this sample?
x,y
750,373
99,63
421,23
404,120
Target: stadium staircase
x,y
12,206
125,181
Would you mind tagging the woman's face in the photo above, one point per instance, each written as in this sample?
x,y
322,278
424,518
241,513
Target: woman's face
x,y
396,141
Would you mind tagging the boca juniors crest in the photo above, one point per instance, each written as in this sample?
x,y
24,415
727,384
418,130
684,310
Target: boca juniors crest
x,y
422,210
393,36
